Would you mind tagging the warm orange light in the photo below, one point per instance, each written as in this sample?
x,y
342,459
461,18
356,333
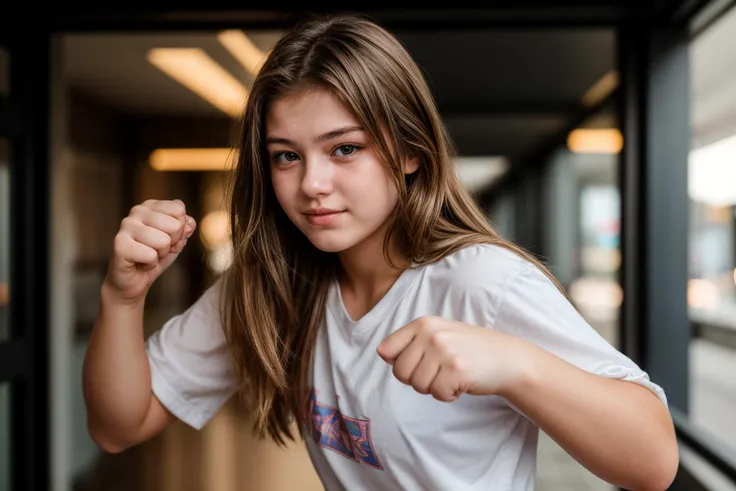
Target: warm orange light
x,y
193,159
601,89
194,69
242,49
595,140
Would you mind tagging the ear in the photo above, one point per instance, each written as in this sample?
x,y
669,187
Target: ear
x,y
411,164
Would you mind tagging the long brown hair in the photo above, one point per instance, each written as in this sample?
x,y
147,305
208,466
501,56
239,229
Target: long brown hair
x,y
276,287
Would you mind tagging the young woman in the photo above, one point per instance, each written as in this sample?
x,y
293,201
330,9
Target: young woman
x,y
369,301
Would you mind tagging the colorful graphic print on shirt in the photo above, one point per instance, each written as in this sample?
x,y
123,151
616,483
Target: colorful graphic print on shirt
x,y
349,437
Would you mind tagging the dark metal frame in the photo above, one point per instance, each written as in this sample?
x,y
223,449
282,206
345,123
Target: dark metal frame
x,y
24,359
652,279
655,105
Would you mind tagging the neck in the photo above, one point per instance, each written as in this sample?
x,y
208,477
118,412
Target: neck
x,y
365,270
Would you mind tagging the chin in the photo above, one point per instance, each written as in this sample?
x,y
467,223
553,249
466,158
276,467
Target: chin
x,y
331,242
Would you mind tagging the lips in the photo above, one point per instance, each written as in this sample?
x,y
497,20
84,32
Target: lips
x,y
323,216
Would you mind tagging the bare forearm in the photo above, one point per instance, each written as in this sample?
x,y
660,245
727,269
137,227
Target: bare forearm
x,y
618,430
117,383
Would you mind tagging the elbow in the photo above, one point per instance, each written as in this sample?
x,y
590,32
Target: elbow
x,y
662,472
104,441
663,462
664,478
108,447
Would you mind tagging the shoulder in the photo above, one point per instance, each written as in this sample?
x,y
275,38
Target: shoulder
x,y
478,276
484,266
474,283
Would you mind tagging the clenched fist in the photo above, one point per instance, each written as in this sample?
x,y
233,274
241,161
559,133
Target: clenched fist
x,y
149,240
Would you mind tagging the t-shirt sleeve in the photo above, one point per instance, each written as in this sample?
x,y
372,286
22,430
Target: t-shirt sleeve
x,y
191,371
535,310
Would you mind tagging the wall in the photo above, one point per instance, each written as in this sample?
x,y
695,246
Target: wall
x,y
88,206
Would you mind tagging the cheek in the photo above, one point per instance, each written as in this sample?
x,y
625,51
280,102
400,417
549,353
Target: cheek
x,y
375,192
282,188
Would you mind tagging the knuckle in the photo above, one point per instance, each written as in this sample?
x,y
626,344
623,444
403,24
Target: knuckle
x,y
126,222
438,339
119,242
456,364
428,323
136,210
179,206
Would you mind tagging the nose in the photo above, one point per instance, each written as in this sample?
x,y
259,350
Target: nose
x,y
318,178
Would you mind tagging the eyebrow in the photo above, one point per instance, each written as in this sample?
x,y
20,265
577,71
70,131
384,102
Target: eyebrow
x,y
330,135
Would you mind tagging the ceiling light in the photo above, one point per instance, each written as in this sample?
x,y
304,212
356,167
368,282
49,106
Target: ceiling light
x,y
242,49
601,89
194,69
193,159
595,140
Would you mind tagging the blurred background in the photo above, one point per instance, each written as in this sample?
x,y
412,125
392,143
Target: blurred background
x,y
601,136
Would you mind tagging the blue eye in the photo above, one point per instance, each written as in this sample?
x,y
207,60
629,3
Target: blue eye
x,y
285,157
346,150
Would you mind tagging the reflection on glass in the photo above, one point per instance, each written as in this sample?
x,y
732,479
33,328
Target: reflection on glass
x,y
711,288
4,436
4,239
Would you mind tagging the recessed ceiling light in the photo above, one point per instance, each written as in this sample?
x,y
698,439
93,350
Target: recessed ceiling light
x,y
193,159
595,140
194,69
242,48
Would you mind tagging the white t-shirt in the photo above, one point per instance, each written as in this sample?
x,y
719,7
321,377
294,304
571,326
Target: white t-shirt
x,y
369,430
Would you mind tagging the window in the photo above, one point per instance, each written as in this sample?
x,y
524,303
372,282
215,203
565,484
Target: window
x,y
712,236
